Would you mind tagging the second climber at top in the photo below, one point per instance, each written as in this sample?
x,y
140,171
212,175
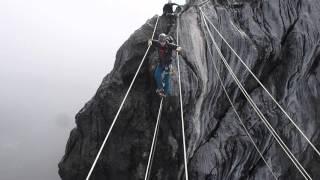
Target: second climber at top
x,y
169,14
162,71
168,8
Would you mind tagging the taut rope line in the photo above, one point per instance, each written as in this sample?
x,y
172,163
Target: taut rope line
x,y
154,142
256,78
122,103
240,120
181,108
262,117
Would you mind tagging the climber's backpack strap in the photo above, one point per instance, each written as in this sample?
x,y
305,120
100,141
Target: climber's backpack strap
x,y
170,39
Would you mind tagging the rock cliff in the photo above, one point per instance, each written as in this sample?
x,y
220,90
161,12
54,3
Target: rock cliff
x,y
278,40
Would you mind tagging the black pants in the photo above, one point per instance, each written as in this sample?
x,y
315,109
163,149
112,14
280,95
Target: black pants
x,y
171,18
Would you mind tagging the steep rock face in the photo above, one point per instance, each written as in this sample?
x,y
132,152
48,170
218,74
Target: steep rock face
x,y
278,40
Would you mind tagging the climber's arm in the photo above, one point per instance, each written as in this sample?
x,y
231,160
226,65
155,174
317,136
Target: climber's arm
x,y
175,47
153,42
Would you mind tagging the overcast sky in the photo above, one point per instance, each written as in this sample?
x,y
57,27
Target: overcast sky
x,y
54,54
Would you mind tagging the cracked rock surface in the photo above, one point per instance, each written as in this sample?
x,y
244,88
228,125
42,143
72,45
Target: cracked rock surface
x,y
278,39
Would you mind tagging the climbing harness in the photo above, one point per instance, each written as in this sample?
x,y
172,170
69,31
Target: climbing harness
x,y
260,83
154,142
238,116
181,106
122,103
257,110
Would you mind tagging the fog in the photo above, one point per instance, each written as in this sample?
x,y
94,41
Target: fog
x,y
54,54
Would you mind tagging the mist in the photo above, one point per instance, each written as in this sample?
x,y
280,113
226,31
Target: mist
x,y
54,55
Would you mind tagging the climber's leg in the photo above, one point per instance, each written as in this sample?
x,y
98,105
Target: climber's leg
x,y
171,21
166,81
158,77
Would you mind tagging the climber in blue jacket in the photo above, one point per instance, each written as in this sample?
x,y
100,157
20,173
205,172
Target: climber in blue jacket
x,y
162,71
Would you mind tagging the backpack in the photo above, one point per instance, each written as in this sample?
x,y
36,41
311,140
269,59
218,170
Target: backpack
x,y
170,39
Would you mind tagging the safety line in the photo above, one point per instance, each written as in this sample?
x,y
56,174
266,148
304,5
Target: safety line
x,y
238,116
272,131
154,142
257,110
123,101
257,79
181,107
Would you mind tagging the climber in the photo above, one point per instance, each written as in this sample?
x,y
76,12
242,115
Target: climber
x,y
168,8
162,71
169,14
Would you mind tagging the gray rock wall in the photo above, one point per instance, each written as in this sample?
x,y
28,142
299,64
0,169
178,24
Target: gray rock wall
x,y
278,40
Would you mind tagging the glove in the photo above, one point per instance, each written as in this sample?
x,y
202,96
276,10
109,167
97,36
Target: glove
x,y
149,42
178,49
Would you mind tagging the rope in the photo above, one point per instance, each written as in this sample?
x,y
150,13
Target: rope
x,y
154,142
122,103
256,78
257,110
181,108
240,120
